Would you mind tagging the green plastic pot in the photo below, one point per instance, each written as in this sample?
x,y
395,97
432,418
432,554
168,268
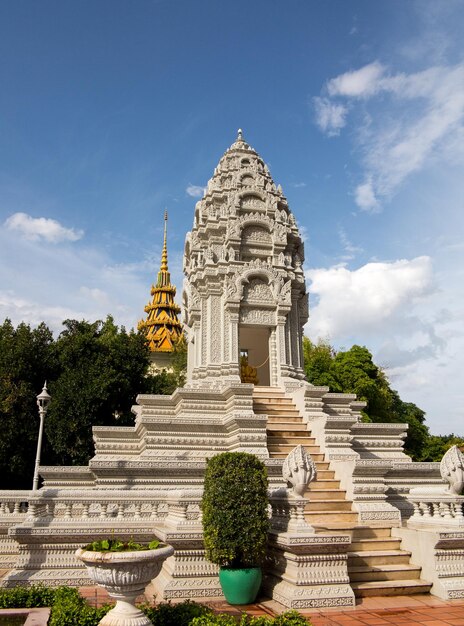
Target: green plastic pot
x,y
240,586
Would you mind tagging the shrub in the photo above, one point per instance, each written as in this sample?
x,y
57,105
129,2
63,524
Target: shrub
x,y
70,609
26,597
167,614
290,618
234,505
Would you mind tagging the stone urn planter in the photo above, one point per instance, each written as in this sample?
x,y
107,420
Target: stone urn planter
x,y
124,575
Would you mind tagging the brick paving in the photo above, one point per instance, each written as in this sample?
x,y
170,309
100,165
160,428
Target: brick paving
x,y
411,610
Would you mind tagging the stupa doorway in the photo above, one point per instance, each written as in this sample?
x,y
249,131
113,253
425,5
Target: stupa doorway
x,y
254,343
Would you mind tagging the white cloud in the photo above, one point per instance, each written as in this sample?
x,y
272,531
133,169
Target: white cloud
x,y
365,197
363,300
359,83
36,228
417,120
20,309
330,116
409,314
195,191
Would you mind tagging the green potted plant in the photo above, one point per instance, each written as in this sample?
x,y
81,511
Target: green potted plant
x,y
124,569
236,522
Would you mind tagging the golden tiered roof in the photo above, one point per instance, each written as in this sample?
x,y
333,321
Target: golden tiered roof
x,y
162,326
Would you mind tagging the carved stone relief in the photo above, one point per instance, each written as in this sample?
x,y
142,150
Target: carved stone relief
x,y
254,233
252,202
257,316
257,290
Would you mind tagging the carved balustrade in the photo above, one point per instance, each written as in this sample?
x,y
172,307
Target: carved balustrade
x,y
69,504
13,503
439,509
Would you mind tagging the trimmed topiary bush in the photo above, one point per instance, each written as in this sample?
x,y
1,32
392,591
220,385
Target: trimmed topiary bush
x,y
235,510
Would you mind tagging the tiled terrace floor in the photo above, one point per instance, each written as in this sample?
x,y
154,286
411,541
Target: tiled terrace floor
x,y
379,611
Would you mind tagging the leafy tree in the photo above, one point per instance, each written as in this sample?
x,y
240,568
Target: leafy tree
x,y
437,445
101,370
94,371
26,361
318,360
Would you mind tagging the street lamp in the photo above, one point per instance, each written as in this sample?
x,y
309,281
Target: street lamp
x,y
43,400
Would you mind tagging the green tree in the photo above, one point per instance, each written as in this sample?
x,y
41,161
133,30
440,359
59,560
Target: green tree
x,y
26,361
437,445
101,370
318,361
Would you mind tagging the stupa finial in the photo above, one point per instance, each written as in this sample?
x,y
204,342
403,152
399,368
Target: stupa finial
x,y
164,254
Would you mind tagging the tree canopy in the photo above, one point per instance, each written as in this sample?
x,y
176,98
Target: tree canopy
x,y
94,371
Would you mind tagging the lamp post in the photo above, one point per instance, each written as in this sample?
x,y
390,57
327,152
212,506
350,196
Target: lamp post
x,y
43,400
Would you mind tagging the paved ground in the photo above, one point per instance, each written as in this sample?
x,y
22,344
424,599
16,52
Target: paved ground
x,y
400,610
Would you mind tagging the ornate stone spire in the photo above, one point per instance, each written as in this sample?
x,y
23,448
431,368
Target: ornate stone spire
x,y
244,295
162,326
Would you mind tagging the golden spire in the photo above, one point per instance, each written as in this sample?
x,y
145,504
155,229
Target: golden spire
x,y
162,326
164,254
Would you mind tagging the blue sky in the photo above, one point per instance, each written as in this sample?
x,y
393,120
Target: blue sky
x,y
112,111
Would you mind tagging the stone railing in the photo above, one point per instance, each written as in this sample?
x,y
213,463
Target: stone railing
x,y
437,509
63,505
441,506
13,503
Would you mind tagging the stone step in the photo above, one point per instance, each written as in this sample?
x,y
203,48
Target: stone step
x,y
287,447
282,454
385,572
374,532
277,411
325,494
323,475
390,588
276,419
276,401
328,505
326,484
378,557
358,532
272,392
379,543
324,466
289,439
320,518
288,430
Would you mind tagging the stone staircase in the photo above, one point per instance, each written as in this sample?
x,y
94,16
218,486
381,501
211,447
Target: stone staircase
x,y
376,563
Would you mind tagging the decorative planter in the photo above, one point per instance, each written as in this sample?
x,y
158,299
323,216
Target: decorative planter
x,y
240,586
124,575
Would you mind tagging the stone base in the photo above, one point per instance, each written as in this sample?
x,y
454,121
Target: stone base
x,y
312,597
441,556
186,574
309,571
